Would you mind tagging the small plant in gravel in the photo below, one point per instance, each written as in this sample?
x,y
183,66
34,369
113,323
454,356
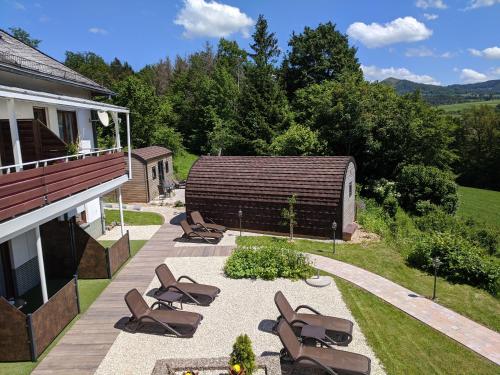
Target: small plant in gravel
x,y
178,204
242,359
289,215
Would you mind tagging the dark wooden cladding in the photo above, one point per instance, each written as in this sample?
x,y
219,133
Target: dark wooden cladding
x,y
51,318
90,255
14,340
218,186
119,252
23,191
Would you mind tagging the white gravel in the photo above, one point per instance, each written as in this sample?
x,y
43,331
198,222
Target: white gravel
x,y
136,232
240,308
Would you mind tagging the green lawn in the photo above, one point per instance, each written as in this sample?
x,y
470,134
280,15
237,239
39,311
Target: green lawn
x,y
134,217
383,260
480,204
457,107
89,291
403,344
182,164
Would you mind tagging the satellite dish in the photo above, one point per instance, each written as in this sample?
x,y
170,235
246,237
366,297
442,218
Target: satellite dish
x,y
103,117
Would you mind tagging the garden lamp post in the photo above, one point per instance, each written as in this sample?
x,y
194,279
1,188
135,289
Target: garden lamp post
x,y
240,215
334,228
436,263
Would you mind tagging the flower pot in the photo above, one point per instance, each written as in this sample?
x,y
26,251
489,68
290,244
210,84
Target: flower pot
x,y
232,372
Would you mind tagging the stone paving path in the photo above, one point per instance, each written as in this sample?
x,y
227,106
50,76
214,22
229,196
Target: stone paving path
x,y
476,337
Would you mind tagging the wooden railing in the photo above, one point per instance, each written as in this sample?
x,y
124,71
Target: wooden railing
x,y
118,254
26,190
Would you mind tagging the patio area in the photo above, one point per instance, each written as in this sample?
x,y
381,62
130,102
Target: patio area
x,y
244,306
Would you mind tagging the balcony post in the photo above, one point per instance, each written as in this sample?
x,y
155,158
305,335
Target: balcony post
x,y
117,130
41,265
120,207
129,146
14,134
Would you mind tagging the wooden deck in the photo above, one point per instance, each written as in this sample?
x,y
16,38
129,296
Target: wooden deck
x,y
85,345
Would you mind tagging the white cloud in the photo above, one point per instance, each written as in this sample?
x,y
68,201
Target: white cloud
x,y
43,18
430,16
496,71
424,4
406,29
489,53
471,76
474,4
421,51
212,19
98,30
373,73
18,5
448,55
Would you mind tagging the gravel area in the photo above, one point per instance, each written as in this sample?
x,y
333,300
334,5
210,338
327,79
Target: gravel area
x,y
137,232
244,306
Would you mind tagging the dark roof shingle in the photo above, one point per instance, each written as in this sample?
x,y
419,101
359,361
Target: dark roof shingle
x,y
149,153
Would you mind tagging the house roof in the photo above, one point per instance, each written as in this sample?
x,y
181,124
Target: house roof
x,y
18,57
146,154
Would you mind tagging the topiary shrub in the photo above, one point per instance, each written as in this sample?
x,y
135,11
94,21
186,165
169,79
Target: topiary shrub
x,y
268,262
462,261
418,183
243,354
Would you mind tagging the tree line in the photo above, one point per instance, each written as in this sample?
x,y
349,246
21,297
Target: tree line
x,y
313,100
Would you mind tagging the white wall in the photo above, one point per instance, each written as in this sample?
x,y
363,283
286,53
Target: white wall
x,y
23,248
93,210
349,208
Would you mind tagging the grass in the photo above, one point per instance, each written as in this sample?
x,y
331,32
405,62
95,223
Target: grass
x,y
457,107
483,205
403,344
183,163
134,217
89,291
385,261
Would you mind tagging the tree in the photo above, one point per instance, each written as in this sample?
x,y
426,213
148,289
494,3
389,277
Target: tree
x,y
119,70
289,214
297,140
265,45
317,55
24,37
90,65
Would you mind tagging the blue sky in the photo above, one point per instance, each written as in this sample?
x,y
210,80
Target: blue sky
x,y
430,41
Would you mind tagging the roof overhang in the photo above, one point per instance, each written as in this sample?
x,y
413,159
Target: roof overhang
x,y
45,97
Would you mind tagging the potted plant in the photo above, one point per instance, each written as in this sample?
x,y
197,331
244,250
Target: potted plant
x,y
242,360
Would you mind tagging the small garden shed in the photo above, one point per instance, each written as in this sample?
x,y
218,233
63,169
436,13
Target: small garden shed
x,y
219,186
152,169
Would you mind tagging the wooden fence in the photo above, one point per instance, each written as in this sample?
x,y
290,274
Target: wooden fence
x,y
118,254
23,337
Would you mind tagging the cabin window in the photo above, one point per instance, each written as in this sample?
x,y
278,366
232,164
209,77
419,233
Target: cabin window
x,y
167,170
68,130
350,189
153,172
40,114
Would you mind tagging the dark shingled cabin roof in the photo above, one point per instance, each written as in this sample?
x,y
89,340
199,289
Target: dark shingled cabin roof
x,y
18,57
146,154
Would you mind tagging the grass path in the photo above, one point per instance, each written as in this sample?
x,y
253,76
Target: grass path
x,y
183,163
480,204
134,217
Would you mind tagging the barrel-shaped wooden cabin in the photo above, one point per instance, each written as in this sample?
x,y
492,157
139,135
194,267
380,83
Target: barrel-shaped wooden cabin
x,y
219,186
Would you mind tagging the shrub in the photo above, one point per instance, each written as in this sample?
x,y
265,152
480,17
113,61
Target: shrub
x,y
243,354
462,261
268,262
390,206
381,189
417,183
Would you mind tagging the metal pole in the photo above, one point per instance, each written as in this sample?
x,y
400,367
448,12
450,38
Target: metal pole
x,y
435,280
41,266
129,145
120,207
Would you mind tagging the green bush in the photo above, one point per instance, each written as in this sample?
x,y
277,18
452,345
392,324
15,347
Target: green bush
x,y
268,262
390,206
243,354
418,183
462,260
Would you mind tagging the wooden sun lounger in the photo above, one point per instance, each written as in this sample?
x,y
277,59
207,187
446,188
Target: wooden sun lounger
x,y
199,294
338,330
171,320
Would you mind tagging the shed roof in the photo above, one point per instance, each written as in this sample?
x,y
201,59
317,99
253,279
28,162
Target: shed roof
x,y
18,57
146,154
315,179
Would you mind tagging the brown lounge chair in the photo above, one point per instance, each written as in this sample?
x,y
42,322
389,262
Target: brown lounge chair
x,y
332,361
210,237
200,294
338,330
172,321
201,223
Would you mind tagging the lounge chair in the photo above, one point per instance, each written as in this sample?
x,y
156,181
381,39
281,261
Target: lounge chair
x,y
199,294
207,236
332,361
172,321
338,330
200,222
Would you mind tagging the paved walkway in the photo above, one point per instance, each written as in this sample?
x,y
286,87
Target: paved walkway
x,y
476,337
85,345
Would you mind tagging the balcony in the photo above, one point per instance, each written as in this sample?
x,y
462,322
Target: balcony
x,y
44,182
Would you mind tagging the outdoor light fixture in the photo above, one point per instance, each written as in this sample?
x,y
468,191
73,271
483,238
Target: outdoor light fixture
x,y
334,228
436,263
240,215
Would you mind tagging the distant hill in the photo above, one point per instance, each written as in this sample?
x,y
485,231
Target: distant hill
x,y
448,94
